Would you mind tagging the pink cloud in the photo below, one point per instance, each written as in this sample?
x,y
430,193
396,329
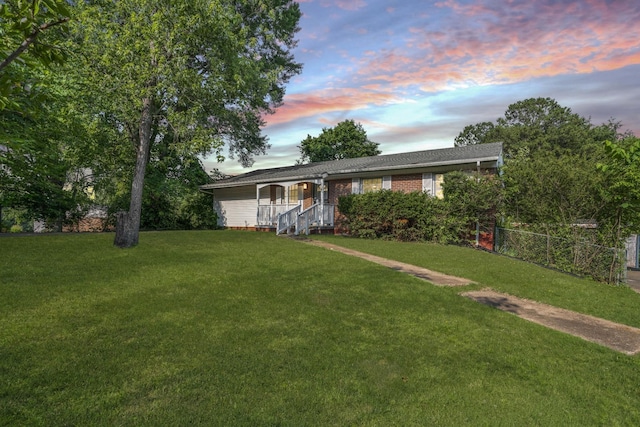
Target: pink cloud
x,y
512,43
297,106
485,43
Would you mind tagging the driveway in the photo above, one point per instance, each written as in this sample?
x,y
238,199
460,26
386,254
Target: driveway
x,y
633,279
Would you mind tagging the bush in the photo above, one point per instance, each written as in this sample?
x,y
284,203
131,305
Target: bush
x,y
394,215
418,216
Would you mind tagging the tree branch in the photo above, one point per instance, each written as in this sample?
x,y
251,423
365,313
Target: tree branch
x,y
29,41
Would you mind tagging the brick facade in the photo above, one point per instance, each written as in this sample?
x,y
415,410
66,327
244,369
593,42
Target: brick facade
x,y
406,183
88,225
337,189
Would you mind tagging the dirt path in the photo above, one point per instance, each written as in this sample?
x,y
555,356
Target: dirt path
x,y
618,337
615,336
434,277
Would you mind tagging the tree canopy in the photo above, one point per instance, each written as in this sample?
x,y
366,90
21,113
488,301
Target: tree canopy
x,y
550,175
539,125
346,140
25,28
621,185
205,72
37,163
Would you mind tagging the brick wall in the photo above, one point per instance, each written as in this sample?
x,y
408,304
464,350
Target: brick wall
x,y
406,183
337,189
89,224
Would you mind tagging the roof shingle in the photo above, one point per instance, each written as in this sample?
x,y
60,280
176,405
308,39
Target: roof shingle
x,y
416,159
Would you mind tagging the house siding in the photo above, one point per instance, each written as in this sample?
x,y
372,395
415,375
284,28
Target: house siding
x,y
236,207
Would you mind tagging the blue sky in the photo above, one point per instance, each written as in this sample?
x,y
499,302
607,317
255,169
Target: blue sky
x,y
415,73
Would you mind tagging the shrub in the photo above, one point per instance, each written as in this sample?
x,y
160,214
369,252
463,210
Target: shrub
x,y
418,216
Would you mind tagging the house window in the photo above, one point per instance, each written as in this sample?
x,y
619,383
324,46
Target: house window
x,y
371,184
319,189
437,183
432,184
293,194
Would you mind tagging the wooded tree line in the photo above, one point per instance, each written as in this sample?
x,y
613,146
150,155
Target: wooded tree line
x,y
562,172
140,89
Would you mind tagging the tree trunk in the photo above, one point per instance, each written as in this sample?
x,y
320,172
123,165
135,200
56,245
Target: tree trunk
x,y
128,223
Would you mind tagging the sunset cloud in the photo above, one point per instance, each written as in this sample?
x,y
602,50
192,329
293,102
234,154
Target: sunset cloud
x,y
416,73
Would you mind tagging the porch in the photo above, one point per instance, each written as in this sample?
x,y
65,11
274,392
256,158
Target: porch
x,y
294,206
288,218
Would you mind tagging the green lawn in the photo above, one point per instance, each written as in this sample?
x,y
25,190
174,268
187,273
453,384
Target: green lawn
x,y
239,328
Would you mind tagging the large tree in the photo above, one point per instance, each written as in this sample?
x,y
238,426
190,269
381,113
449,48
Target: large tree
x,y
205,71
346,140
550,153
539,125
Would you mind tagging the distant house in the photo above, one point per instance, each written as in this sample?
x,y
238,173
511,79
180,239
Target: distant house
x,y
302,198
633,251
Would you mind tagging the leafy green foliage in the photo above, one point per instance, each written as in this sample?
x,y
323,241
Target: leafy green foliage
x,y
204,73
392,215
480,133
539,125
38,172
346,140
417,216
542,125
172,199
25,38
551,182
546,189
15,220
620,191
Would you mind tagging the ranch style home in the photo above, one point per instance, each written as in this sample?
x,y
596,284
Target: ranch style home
x,y
304,198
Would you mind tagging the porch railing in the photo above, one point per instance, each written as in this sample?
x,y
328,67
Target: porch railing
x,y
287,219
268,214
315,215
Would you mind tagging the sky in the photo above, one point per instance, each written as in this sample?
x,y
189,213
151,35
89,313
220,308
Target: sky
x,y
415,73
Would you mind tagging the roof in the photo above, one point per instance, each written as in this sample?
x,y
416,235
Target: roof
x,y
412,160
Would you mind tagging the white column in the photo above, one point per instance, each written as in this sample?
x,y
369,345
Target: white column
x,y
257,205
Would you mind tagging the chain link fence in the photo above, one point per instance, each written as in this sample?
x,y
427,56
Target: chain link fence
x,y
577,256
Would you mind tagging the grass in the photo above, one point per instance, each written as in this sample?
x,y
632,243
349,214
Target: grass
x,y
617,303
239,328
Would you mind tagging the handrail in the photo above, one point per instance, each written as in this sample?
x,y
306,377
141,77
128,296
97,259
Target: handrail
x,y
268,214
287,219
306,218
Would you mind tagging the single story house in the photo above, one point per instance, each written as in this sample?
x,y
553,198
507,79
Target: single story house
x,y
304,197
